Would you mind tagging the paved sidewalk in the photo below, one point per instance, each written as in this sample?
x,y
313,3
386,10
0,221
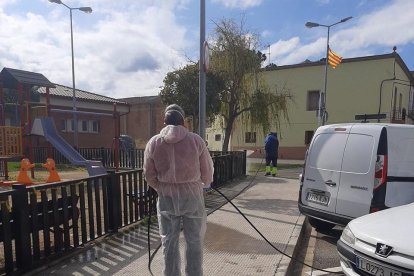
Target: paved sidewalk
x,y
232,247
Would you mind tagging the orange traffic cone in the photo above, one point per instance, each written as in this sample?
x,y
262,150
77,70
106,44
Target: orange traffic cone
x,y
51,166
25,166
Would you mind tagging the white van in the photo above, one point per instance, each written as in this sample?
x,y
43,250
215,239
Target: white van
x,y
354,169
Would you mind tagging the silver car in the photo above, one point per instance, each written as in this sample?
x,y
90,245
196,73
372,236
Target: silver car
x,y
380,244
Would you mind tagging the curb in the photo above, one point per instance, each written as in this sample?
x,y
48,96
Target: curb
x,y
286,265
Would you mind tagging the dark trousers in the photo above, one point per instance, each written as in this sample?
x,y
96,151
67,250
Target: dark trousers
x,y
272,159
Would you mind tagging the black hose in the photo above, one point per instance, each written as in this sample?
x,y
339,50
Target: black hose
x,y
274,247
150,256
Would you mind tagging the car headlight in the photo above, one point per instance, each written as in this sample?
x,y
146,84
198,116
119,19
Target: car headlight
x,y
348,236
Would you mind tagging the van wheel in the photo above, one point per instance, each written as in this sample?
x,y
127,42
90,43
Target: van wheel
x,y
320,225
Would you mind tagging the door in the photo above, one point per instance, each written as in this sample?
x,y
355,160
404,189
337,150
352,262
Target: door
x,y
357,176
322,172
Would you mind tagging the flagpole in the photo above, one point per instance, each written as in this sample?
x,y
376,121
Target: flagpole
x,y
322,116
322,100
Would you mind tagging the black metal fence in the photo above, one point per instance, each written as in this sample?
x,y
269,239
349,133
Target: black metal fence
x,y
42,222
228,166
127,159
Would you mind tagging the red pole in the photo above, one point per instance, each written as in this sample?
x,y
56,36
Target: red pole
x,y
29,128
2,114
20,100
49,146
116,118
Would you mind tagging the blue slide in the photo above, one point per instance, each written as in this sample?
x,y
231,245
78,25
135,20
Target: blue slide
x,y
46,127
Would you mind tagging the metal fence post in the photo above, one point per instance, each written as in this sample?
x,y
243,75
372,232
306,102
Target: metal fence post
x,y
114,202
231,166
103,157
244,162
21,227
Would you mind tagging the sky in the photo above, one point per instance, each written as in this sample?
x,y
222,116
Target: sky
x,y
124,48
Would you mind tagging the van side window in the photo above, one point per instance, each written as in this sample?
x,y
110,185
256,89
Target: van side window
x,y
327,151
359,152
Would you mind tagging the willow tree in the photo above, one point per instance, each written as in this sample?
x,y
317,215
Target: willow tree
x,y
181,86
236,60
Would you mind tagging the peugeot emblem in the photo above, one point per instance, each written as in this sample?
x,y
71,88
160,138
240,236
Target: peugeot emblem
x,y
383,250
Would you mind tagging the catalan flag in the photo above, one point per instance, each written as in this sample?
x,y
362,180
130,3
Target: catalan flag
x,y
333,58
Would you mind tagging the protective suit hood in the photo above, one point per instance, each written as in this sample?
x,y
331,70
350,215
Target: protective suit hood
x,y
173,134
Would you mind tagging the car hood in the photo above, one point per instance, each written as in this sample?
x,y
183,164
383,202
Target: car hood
x,y
393,227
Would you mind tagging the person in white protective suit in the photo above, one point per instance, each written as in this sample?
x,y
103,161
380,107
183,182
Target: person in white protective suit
x,y
178,165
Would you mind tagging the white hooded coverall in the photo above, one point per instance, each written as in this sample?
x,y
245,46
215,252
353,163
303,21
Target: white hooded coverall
x,y
178,165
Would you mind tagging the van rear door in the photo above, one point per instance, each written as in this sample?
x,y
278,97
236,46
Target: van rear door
x,y
400,183
357,176
323,166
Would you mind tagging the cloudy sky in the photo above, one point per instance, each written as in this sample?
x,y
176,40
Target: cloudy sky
x,y
124,48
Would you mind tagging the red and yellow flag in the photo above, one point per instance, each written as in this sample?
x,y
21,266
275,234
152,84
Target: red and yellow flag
x,y
333,58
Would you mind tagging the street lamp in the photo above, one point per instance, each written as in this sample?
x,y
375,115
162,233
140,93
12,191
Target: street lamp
x,y
75,120
322,103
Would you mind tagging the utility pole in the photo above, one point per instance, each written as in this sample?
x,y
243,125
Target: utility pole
x,y
202,78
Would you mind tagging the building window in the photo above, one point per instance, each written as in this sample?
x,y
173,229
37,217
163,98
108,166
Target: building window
x,y
250,137
217,137
72,125
83,126
94,127
308,136
63,125
313,100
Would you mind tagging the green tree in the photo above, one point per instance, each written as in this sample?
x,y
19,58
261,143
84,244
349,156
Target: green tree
x,y
182,87
236,60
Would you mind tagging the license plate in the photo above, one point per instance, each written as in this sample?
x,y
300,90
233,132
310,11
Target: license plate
x,y
318,198
375,269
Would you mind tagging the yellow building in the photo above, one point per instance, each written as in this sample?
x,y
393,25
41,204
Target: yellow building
x,y
380,84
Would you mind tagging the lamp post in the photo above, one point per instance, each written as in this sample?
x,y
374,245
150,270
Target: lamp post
x,y
75,119
202,76
322,103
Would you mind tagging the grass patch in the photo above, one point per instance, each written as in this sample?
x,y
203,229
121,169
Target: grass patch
x,y
15,166
253,167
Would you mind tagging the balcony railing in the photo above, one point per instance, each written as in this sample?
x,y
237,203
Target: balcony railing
x,y
398,114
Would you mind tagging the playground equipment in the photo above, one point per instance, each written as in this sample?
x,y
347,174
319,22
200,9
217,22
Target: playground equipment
x,y
10,141
15,94
25,166
51,167
19,106
46,127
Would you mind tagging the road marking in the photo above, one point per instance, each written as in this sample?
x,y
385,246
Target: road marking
x,y
309,251
77,274
321,273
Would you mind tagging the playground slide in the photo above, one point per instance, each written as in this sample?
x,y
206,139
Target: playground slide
x,y
46,127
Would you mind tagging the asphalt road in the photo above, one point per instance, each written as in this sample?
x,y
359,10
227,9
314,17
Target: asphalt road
x,y
325,253
319,251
